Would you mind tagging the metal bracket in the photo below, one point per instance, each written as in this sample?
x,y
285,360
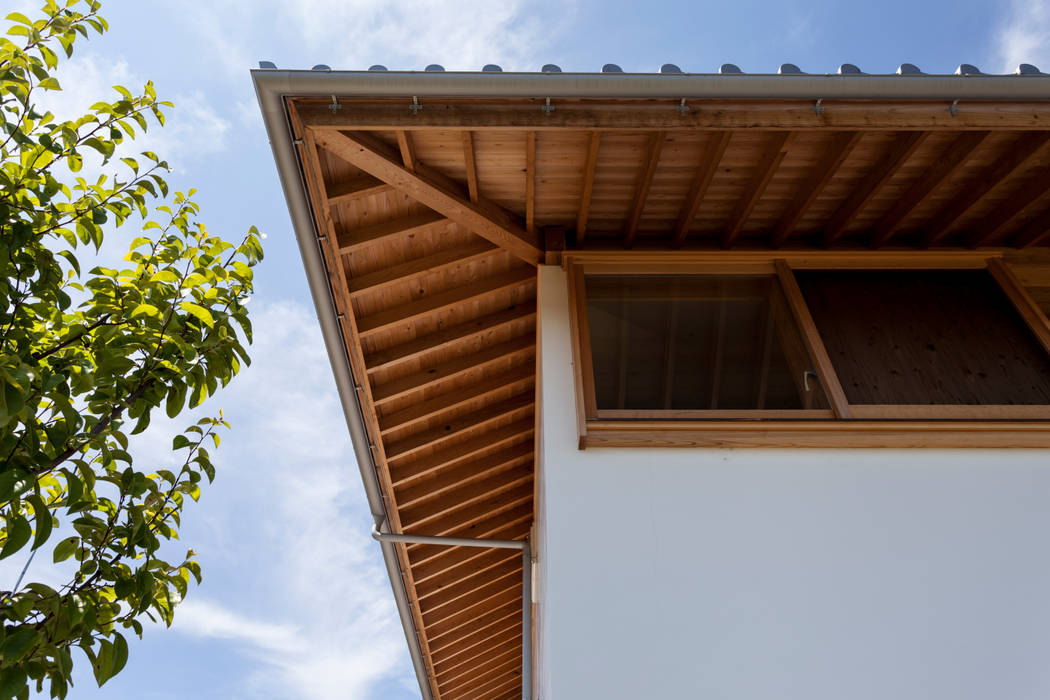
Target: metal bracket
x,y
335,105
818,108
682,107
953,108
546,107
415,106
298,142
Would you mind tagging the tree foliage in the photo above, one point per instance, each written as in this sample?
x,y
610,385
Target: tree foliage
x,y
87,355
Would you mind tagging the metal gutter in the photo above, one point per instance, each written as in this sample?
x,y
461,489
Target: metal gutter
x,y
526,584
288,168
317,83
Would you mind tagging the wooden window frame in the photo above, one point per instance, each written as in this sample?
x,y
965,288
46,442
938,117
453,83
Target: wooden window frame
x,y
844,424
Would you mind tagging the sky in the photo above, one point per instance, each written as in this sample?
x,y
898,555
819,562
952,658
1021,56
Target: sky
x,y
295,601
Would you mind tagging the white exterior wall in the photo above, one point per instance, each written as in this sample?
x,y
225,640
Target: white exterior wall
x,y
778,574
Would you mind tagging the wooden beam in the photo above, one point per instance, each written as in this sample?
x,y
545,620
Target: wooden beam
x,y
470,424
471,165
451,337
420,412
464,473
834,154
530,182
468,495
350,240
397,274
1022,301
660,115
645,180
411,471
896,155
773,154
484,218
1020,154
469,645
355,188
495,558
820,434
430,303
498,614
1017,205
953,156
829,380
589,168
1035,231
431,375
705,171
430,564
553,244
408,153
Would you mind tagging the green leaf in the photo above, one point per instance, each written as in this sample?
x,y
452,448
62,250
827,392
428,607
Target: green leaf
x,y
12,680
120,653
17,644
42,521
200,312
145,309
18,533
13,483
49,84
66,548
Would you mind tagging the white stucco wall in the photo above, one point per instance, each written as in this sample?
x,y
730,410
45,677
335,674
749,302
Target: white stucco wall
x,y
775,574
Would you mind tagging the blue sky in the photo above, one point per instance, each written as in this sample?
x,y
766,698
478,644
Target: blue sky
x,y
295,602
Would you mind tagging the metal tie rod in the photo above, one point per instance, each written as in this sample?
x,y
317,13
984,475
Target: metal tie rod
x,y
526,584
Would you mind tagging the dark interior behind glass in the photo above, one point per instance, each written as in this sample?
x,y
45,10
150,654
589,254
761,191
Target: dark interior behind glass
x,y
696,342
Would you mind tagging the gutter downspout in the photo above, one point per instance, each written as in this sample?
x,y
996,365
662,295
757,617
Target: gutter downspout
x,y
526,584
288,169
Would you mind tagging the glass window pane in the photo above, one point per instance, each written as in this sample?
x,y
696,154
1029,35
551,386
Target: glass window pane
x,y
696,342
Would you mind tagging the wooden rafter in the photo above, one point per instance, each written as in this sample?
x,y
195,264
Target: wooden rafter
x,y
399,274
660,115
645,180
1035,231
1021,202
589,168
953,156
767,165
705,171
518,277
1021,152
355,188
408,152
836,152
350,240
484,218
471,165
452,337
896,155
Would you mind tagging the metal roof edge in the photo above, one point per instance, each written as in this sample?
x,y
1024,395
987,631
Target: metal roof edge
x,y
278,129
316,83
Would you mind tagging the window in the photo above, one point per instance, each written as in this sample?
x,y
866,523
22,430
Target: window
x,y
698,346
811,343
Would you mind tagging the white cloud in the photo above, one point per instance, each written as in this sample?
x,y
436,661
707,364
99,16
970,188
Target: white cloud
x,y
353,35
329,629
1024,36
192,131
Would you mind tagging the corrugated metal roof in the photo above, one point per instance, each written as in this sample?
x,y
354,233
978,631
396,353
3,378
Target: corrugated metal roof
x,y
910,69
